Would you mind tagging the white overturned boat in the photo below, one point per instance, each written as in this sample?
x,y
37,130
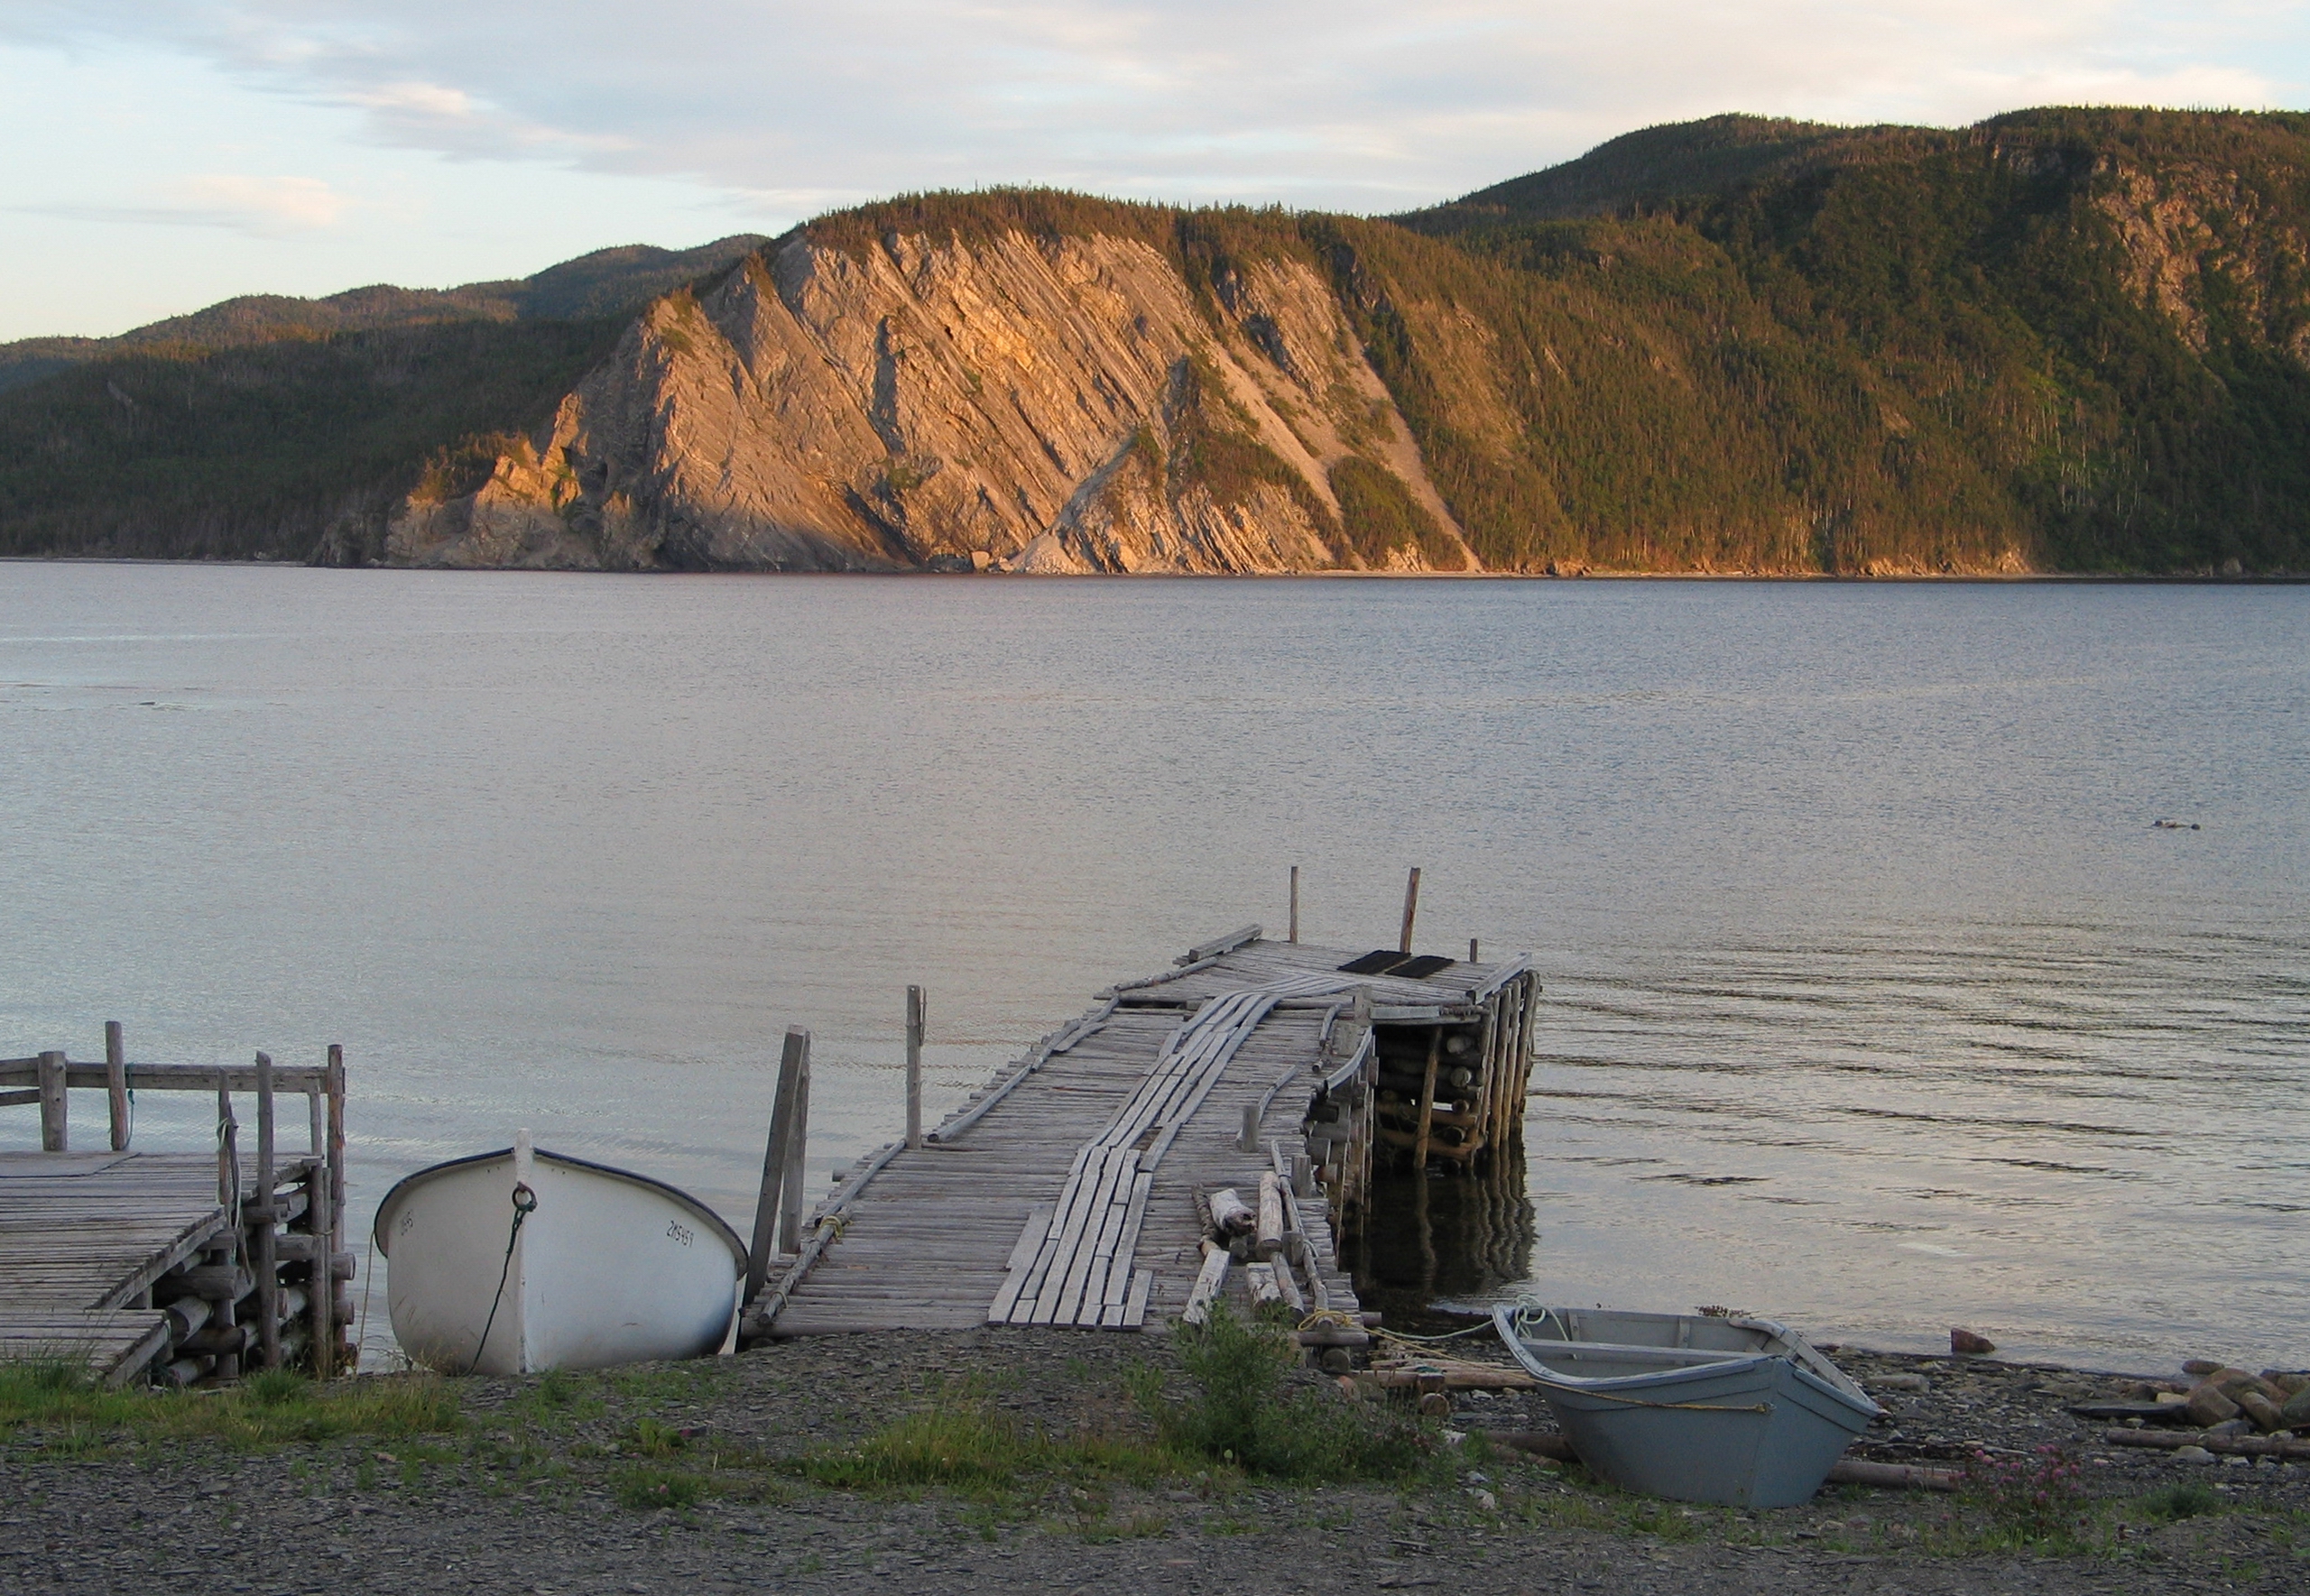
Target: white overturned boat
x,y
519,1261
1690,1406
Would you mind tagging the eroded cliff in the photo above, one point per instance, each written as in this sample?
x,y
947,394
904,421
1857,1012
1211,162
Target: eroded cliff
x,y
1049,404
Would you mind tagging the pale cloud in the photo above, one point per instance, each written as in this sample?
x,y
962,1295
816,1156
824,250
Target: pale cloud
x,y
261,204
1354,103
433,115
260,207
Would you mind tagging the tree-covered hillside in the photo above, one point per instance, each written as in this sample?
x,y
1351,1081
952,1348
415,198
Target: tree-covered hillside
x,y
2087,330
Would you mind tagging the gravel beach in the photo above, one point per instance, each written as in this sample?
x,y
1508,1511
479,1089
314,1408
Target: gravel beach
x,y
550,1485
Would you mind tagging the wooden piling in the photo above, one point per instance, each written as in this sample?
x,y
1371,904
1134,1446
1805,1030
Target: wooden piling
x,y
263,1219
340,1307
1428,1082
1412,910
917,1022
117,1085
793,1202
790,1065
224,1321
320,1284
52,1103
1295,904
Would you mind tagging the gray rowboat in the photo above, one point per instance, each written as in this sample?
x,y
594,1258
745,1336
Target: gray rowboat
x,y
1742,1412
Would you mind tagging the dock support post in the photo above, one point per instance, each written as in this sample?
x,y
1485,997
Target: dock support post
x,y
791,1204
53,1138
917,1019
1426,1102
228,1197
1248,1139
340,1309
116,1084
790,1065
1412,910
263,1215
1295,904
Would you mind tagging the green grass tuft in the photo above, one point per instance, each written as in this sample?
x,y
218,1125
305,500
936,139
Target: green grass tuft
x,y
2188,1499
63,1410
643,1487
1239,1413
960,1447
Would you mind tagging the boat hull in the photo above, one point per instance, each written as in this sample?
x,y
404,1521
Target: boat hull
x,y
1740,1412
608,1268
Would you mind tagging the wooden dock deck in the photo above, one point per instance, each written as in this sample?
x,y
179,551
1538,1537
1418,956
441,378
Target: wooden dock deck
x,y
84,1238
126,1262
1075,1190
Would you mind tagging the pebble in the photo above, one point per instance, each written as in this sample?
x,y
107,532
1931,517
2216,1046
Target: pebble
x,y
2192,1454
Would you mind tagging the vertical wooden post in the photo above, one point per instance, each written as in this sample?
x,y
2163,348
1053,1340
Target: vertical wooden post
x,y
791,1203
53,1138
1471,950
917,1022
1295,903
264,1217
1487,1087
227,1181
341,1312
1248,1139
1412,910
320,1288
316,1129
1427,1102
116,1084
773,1160
228,1197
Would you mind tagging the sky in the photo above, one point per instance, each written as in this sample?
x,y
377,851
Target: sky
x,y
164,154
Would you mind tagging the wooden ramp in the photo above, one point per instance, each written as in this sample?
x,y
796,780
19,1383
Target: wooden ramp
x,y
1071,1192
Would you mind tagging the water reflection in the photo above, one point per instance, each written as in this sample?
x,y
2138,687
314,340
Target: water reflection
x,y
1443,1239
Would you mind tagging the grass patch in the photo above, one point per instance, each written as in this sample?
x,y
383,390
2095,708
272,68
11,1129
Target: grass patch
x,y
644,1486
59,1409
959,1447
1239,1414
2188,1499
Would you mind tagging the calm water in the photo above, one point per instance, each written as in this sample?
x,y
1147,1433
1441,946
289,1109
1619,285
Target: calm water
x,y
1875,1001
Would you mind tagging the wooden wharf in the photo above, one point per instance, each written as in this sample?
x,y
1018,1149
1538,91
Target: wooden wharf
x,y
174,1264
1078,1189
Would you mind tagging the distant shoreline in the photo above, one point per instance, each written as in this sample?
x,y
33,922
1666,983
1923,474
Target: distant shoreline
x,y
1918,578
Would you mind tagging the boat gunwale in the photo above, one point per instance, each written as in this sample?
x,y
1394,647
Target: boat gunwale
x,y
377,1229
1843,1388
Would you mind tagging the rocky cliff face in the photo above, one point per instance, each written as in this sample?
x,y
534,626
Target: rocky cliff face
x,y
1047,404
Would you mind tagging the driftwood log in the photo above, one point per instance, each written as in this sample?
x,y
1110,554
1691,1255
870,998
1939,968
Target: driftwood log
x,y
1208,1282
1270,1235
2242,1445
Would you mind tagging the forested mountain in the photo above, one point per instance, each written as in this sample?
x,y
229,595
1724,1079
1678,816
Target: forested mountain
x,y
2066,340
